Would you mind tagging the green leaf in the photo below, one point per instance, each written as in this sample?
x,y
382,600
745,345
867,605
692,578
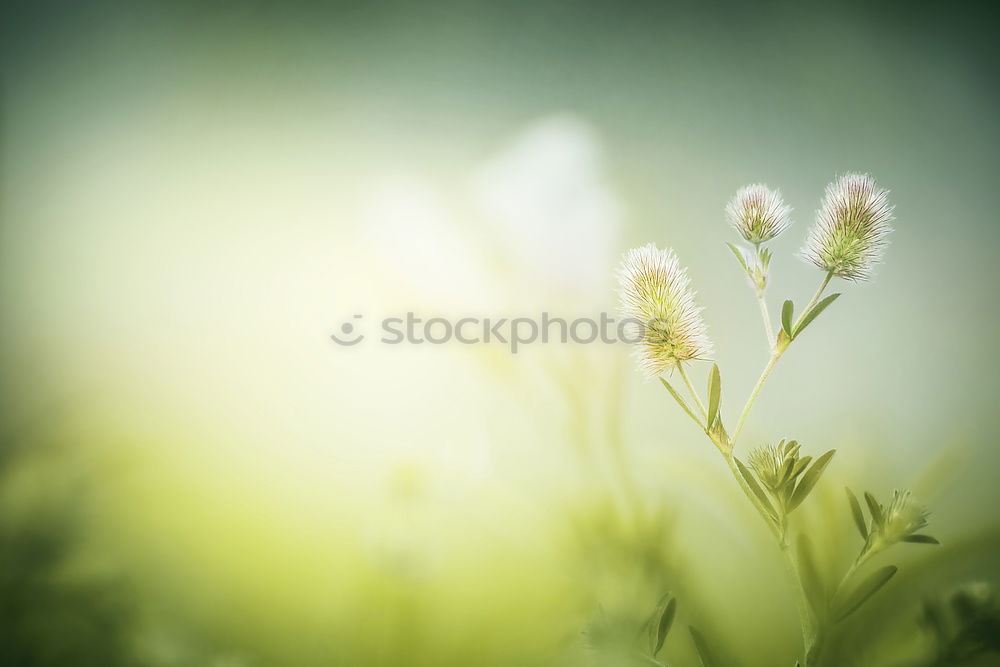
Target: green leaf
x,y
704,654
649,628
680,401
714,394
875,508
786,471
720,437
666,620
801,465
786,317
920,539
809,479
865,590
859,516
813,314
755,487
739,255
812,583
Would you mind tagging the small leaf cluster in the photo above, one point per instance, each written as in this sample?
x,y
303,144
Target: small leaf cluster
x,y
899,523
755,264
712,424
790,329
885,527
781,478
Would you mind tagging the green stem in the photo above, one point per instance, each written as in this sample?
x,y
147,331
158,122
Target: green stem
x,y
768,331
776,353
810,632
855,566
814,300
754,394
694,394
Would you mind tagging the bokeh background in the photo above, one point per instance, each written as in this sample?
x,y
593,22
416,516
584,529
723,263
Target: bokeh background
x,y
194,196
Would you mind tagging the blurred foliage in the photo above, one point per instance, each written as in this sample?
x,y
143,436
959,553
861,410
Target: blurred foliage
x,y
48,617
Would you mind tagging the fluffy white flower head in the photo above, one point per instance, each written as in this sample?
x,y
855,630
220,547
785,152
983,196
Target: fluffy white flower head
x,y
758,213
666,323
852,226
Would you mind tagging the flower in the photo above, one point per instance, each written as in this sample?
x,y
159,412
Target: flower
x,y
758,213
902,520
659,307
776,465
852,226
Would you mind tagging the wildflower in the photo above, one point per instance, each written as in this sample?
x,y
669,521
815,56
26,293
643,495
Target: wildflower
x,y
852,226
656,297
776,464
758,213
900,522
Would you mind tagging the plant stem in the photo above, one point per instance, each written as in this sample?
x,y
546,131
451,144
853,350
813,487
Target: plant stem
x,y
811,639
855,566
768,331
775,355
697,400
810,633
814,300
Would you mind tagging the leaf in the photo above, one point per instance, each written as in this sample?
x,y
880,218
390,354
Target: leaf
x,y
875,508
801,465
786,317
649,627
809,479
739,255
865,590
920,539
704,654
680,401
859,516
755,487
812,583
813,314
786,471
720,437
714,394
666,620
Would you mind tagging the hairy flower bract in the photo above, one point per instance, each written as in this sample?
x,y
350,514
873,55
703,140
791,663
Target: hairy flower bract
x,y
852,226
758,213
657,298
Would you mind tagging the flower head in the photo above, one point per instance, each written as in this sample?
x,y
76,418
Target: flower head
x,y
659,304
904,517
758,213
852,226
775,465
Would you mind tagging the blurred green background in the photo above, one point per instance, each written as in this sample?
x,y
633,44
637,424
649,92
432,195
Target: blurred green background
x,y
194,196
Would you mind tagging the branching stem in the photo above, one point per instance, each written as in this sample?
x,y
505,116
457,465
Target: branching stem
x,y
776,353
814,300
